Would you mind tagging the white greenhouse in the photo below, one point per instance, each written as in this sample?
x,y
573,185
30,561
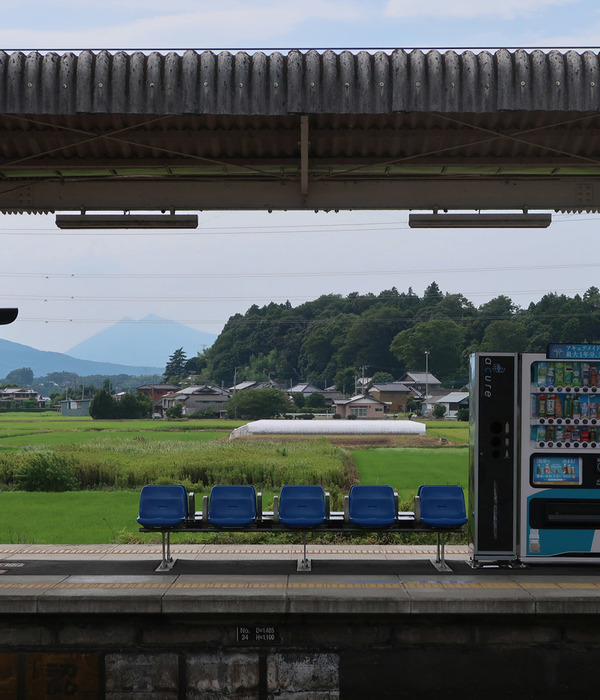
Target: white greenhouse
x,y
329,427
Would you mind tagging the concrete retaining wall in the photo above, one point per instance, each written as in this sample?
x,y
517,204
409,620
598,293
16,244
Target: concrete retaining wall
x,y
133,657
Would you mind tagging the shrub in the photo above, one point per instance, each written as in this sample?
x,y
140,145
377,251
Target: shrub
x,y
439,410
204,414
46,471
175,412
462,414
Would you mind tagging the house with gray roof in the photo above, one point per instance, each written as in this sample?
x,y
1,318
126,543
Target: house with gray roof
x,y
452,402
361,406
197,398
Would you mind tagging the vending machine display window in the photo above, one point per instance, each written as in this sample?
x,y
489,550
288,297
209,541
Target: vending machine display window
x,y
556,471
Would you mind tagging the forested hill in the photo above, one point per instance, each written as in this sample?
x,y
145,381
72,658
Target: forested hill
x,y
389,332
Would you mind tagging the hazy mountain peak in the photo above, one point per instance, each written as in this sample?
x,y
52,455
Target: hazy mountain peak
x,y
148,341
42,362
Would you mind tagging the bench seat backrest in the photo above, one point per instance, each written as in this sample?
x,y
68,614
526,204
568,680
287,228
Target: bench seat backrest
x,y
372,506
302,506
232,506
163,505
442,506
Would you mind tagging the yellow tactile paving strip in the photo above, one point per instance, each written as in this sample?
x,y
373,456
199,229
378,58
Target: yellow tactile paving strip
x,y
100,584
291,585
360,550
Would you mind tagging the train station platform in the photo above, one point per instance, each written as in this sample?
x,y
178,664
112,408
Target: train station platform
x,y
383,578
241,621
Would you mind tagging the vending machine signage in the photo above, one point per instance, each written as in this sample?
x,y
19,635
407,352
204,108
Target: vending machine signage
x,y
561,471
566,351
492,483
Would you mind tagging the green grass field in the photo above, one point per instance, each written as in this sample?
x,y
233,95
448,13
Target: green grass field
x,y
75,517
407,468
455,432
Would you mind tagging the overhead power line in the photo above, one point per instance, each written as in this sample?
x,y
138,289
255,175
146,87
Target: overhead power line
x,y
283,273
474,318
208,230
254,298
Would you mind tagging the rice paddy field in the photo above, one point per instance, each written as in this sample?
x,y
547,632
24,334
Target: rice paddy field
x,y
91,472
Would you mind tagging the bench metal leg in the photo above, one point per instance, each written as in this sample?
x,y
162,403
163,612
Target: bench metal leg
x,y
440,560
167,560
304,564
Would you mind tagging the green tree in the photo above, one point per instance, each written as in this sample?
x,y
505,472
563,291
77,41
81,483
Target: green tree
x,y
504,336
196,364
175,367
382,378
103,406
439,410
253,404
344,380
20,377
299,399
316,400
133,406
443,339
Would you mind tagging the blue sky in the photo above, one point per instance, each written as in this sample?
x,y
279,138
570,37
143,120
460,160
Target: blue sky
x,y
310,23
299,255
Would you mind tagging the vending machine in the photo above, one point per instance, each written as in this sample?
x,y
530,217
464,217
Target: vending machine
x,y
535,456
560,455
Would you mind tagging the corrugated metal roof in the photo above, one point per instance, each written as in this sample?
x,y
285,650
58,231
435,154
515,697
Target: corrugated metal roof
x,y
308,82
140,131
390,386
454,397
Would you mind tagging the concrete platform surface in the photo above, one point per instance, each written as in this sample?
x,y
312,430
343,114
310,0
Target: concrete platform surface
x,y
263,578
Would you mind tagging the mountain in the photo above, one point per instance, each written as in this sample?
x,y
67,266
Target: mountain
x,y
15,356
149,341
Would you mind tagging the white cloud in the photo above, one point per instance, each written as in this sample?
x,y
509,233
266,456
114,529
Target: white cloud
x,y
469,9
195,25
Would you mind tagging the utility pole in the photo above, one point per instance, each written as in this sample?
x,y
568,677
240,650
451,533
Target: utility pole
x,y
234,392
426,377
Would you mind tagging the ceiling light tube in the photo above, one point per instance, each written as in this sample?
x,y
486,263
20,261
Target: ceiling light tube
x,y
479,220
72,221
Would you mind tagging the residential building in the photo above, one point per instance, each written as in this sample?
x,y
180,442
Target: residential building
x,y
155,391
452,402
255,384
331,395
361,406
197,398
12,395
305,389
394,393
418,382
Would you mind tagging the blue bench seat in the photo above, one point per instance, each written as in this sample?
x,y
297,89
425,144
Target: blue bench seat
x,y
232,506
372,506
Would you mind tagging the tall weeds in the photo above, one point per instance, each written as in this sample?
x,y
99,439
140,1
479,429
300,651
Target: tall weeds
x,y
131,463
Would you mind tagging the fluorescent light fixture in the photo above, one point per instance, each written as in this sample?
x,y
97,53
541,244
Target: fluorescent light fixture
x,y
7,316
127,221
479,220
